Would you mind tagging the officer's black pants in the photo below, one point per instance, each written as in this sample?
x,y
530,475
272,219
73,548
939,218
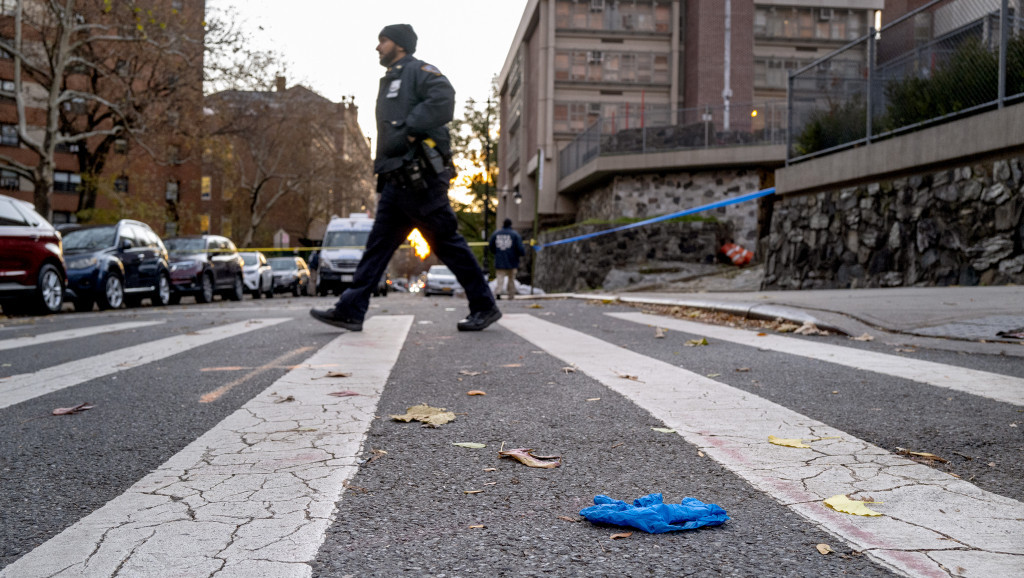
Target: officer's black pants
x,y
396,218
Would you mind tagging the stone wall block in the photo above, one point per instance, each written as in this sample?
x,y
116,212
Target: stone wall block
x,y
1001,171
927,234
1013,266
997,194
989,252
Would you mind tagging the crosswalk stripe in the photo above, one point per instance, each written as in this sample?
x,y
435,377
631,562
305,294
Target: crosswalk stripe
x,y
255,495
26,386
931,520
42,338
1002,388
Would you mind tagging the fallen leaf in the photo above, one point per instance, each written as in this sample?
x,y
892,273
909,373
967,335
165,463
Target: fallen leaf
x,y
513,365
593,399
864,337
659,333
284,399
470,445
700,453
787,328
845,505
991,464
478,526
906,351
431,416
620,536
617,445
475,392
525,456
338,374
72,410
824,549
570,369
377,454
628,376
789,443
345,393
535,306
743,369
762,334
714,375
809,328
473,492
696,342
568,519
836,392
470,373
490,469
663,429
923,455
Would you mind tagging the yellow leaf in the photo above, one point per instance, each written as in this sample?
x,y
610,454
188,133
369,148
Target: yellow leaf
x,y
824,549
789,443
470,445
696,342
845,505
475,392
432,416
536,306
663,430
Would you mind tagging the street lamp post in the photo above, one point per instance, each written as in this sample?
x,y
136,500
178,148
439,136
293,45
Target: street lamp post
x,y
487,183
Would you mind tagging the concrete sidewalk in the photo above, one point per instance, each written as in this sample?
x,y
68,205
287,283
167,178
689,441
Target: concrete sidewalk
x,y
974,314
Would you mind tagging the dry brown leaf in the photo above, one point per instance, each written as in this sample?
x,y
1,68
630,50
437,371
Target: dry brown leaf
x,y
473,492
743,369
513,365
431,416
525,456
824,549
617,445
72,410
490,469
628,376
476,527
697,342
338,374
922,455
593,399
475,392
620,536
809,328
284,399
700,453
864,337
787,328
659,333
469,373
570,369
345,393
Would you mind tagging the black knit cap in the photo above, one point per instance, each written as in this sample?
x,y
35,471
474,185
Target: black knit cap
x,y
402,35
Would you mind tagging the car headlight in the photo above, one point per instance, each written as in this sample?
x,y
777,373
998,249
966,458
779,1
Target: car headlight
x,y
82,263
182,265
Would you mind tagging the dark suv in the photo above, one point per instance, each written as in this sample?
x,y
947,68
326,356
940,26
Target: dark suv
x,y
115,265
31,261
204,265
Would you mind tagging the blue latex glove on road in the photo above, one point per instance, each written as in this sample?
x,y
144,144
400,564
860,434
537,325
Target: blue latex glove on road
x,y
651,514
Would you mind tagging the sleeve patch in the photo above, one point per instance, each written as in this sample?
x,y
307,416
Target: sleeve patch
x,y
431,69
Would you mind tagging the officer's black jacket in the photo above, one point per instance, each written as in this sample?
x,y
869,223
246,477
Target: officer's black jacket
x,y
416,100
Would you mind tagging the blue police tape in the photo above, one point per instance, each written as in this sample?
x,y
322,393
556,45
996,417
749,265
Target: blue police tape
x,y
708,207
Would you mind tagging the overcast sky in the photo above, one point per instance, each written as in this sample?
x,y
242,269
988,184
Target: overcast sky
x,y
329,44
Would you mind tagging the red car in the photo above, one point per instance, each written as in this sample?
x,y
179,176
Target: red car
x,y
32,276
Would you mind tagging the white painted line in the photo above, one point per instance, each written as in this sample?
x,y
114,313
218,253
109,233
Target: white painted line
x,y
931,519
26,386
53,336
982,383
255,495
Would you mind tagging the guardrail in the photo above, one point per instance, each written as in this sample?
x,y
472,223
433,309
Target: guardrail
x,y
945,60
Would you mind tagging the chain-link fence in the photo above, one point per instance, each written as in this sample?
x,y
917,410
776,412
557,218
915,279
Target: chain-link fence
x,y
947,59
630,129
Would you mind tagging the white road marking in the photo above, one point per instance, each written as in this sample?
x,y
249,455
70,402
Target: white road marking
x,y
931,520
255,495
26,386
53,336
982,383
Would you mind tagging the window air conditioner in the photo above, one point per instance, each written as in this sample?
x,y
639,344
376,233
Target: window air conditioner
x,y
824,14
596,5
595,57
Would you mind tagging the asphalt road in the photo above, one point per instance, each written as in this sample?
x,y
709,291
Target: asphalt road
x,y
166,392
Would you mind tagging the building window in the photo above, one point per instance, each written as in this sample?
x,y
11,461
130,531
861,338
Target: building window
x,y
170,229
9,135
121,184
177,5
7,85
65,182
75,105
121,146
174,154
225,226
204,224
8,7
205,188
9,180
67,147
171,191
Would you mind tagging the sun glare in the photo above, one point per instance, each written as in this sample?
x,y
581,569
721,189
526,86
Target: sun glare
x,y
419,244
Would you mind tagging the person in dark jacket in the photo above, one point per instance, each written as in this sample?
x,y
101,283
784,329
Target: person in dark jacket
x,y
507,246
415,103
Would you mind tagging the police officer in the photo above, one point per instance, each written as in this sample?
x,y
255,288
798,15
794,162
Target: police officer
x,y
415,103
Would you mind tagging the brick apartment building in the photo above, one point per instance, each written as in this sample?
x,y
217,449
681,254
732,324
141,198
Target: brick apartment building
x,y
643,63
289,157
153,174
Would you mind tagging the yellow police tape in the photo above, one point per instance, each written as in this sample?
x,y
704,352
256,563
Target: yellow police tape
x,y
299,249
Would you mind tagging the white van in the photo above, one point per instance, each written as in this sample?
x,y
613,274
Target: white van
x,y
343,246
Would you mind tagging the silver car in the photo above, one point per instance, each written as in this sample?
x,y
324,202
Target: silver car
x,y
441,281
257,274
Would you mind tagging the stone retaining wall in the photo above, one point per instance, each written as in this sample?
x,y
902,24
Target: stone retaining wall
x,y
584,265
961,226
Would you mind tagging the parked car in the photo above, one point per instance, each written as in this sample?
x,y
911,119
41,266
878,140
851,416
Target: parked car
x,y
32,277
115,265
290,274
203,266
257,274
440,281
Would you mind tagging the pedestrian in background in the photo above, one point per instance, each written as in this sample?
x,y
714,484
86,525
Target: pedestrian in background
x,y
415,103
507,246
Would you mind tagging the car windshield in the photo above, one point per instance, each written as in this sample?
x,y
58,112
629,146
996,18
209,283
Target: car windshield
x,y
282,264
89,239
185,245
346,238
249,258
439,270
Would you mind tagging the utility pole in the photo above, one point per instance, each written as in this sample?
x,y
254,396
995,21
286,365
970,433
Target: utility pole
x,y
487,183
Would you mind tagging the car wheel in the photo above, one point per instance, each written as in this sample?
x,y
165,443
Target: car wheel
x,y
257,293
205,294
271,291
83,305
162,295
112,296
237,290
50,290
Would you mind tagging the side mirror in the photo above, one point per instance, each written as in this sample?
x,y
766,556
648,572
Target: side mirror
x,y
126,244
